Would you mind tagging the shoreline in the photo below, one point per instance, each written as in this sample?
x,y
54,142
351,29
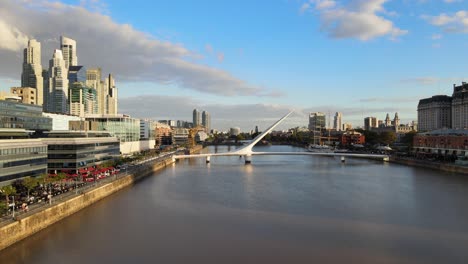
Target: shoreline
x,y
26,225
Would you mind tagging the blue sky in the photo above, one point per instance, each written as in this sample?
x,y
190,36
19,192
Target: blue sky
x,y
249,61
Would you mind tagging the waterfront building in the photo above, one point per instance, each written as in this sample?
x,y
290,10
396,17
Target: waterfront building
x,y
57,94
123,127
337,121
147,129
441,142
317,121
83,99
370,123
68,47
350,138
206,120
460,106
196,118
27,94
180,136
75,150
20,158
32,70
435,113
163,134
27,116
201,136
62,121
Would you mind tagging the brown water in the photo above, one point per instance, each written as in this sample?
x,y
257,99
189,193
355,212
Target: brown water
x,y
280,209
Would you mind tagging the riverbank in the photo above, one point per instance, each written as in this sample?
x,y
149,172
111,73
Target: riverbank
x,y
430,165
28,224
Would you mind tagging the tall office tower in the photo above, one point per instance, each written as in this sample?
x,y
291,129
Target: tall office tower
x,y
57,101
196,118
93,79
68,47
206,121
317,121
82,99
460,106
32,70
337,121
370,122
111,95
396,120
388,122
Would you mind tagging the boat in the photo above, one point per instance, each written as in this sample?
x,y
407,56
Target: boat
x,y
319,148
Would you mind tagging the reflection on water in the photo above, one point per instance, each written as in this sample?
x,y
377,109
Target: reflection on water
x,y
279,209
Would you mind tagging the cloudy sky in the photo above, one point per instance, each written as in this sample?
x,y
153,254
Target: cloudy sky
x,y
250,62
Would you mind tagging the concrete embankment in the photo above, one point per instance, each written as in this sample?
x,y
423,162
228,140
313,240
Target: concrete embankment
x,y
29,224
431,165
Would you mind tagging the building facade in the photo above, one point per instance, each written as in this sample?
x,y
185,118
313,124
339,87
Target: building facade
x,y
68,47
32,70
370,123
57,95
123,127
18,115
61,121
460,106
163,135
206,121
338,121
351,138
83,99
196,118
317,121
28,95
20,158
111,96
442,142
435,113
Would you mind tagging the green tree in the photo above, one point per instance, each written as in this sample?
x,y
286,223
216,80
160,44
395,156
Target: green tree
x,y
408,138
30,183
3,207
387,137
8,190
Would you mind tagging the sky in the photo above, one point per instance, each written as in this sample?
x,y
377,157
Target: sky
x,y
250,62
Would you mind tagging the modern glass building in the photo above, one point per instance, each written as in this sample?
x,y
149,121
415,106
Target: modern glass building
x,y
74,150
83,99
123,127
18,115
20,158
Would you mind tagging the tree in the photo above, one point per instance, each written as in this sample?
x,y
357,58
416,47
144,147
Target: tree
x,y
30,183
8,191
408,138
387,137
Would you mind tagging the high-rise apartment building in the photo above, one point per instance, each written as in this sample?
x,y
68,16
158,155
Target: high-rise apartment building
x,y
196,118
435,113
111,95
57,94
82,100
317,121
27,94
460,106
206,121
370,122
93,79
338,121
68,47
32,70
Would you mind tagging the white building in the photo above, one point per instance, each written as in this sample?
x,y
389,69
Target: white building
x,y
68,47
62,122
32,70
234,131
435,113
57,97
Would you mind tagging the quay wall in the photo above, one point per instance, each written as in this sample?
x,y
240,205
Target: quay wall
x,y
431,165
25,226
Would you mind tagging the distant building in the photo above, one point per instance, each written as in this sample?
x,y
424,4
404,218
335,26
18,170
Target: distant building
x,y
347,126
110,96
206,120
460,106
62,122
351,138
125,128
442,142
32,70
83,99
68,47
57,94
317,121
435,113
196,118
370,123
201,136
27,94
180,136
147,129
163,135
234,131
337,121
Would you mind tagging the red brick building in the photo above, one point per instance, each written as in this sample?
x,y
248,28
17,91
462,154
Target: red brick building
x,y
442,142
352,138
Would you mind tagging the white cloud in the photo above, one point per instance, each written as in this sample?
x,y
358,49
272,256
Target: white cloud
x,y
130,54
436,36
220,57
361,19
450,23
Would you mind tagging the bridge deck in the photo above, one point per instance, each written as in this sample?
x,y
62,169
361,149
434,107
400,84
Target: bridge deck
x,y
329,154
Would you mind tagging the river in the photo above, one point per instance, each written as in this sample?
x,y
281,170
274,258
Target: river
x,y
279,209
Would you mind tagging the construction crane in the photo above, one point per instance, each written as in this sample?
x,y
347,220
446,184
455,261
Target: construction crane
x,y
192,133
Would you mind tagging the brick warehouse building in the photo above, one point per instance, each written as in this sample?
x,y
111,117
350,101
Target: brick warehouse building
x,y
352,138
442,142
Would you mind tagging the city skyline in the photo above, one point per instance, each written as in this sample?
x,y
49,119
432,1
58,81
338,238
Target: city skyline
x,y
314,64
